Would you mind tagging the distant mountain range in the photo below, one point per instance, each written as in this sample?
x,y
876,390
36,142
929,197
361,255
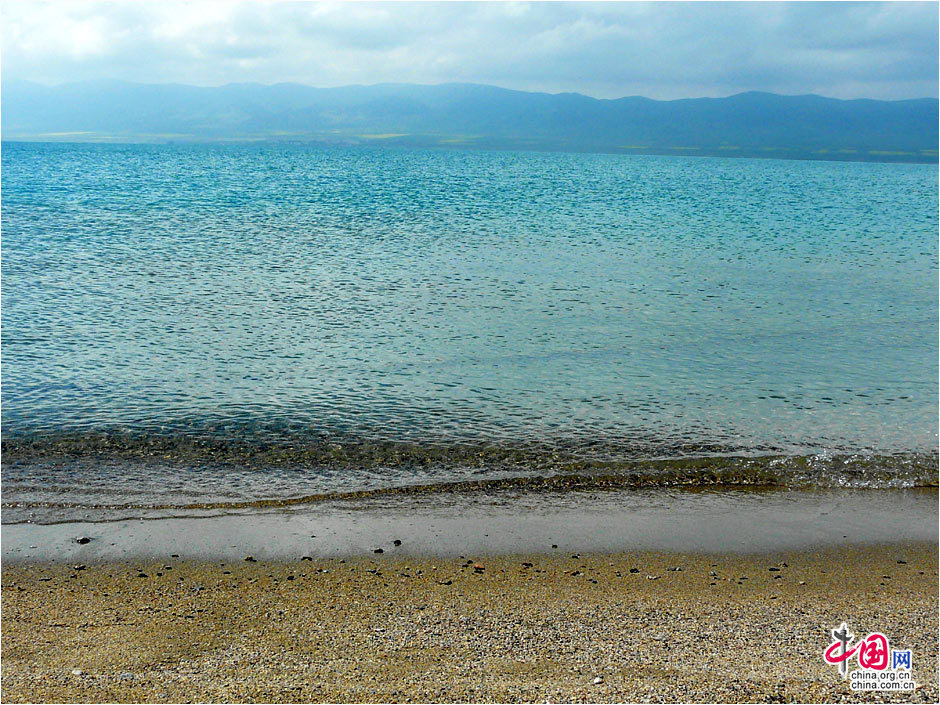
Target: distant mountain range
x,y
474,116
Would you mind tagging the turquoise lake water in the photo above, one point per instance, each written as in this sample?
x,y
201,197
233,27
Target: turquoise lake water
x,y
186,324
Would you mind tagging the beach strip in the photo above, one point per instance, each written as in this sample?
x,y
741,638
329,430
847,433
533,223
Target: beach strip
x,y
601,627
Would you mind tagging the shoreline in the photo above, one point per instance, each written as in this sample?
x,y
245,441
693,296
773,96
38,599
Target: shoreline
x,y
507,522
513,627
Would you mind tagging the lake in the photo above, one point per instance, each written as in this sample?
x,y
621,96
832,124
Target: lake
x,y
218,326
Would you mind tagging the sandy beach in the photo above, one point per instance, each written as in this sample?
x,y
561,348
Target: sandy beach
x,y
557,626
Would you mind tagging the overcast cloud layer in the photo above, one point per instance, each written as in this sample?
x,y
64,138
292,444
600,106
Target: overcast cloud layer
x,y
844,50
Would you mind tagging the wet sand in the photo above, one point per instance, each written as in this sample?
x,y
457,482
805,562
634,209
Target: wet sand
x,y
693,520
392,627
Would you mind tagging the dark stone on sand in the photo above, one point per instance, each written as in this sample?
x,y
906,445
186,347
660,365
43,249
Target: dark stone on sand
x,y
397,542
774,569
141,575
250,559
378,550
634,570
81,566
306,558
554,545
902,562
83,540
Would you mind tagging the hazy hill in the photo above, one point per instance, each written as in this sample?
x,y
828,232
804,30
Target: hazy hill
x,y
474,116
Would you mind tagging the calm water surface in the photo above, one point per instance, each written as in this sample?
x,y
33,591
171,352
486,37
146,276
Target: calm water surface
x,y
196,324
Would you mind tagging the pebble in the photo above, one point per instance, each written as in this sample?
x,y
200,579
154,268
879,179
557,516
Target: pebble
x,y
774,569
598,680
378,550
396,542
83,540
634,570
250,559
76,671
141,575
80,566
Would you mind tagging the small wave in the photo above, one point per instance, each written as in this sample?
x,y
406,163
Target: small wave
x,y
509,470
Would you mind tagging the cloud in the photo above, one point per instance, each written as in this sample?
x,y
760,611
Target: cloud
x,y
662,50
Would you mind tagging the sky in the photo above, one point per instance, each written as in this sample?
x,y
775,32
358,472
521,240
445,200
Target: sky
x,y
607,50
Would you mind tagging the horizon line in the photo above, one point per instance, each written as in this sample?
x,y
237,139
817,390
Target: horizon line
x,y
453,83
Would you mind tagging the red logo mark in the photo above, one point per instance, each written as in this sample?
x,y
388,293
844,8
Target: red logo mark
x,y
872,652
